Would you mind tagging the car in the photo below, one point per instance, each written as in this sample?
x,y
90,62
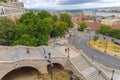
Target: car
x,y
118,43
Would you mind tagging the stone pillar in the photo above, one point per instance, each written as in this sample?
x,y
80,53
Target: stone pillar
x,y
42,69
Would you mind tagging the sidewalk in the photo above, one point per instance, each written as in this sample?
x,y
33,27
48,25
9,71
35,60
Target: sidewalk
x,y
72,53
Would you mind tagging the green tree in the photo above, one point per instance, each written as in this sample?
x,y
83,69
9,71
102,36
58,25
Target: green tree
x,y
105,30
112,39
115,33
55,33
55,18
82,26
96,37
5,1
44,14
67,19
36,30
7,31
28,18
27,40
62,27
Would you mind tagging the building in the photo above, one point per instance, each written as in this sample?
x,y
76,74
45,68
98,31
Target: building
x,y
95,25
12,9
110,21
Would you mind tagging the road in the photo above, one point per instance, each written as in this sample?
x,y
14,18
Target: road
x,y
80,42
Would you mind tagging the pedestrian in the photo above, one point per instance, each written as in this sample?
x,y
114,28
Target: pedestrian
x,y
28,50
65,50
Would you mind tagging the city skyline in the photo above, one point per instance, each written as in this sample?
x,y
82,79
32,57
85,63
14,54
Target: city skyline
x,y
69,4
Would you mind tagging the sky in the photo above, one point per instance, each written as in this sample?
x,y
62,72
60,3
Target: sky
x,y
69,4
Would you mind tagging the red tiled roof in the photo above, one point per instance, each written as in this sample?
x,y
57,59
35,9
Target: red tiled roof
x,y
115,27
94,25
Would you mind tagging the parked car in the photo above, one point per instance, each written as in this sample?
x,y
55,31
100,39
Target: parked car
x,y
118,43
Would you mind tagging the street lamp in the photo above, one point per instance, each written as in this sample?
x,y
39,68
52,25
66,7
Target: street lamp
x,y
106,45
113,71
71,75
51,65
92,58
89,31
54,42
68,53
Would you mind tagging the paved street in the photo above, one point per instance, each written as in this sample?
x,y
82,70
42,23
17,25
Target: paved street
x,y
80,42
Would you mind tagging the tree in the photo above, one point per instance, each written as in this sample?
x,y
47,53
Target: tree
x,y
112,39
96,37
82,26
44,14
67,19
7,31
115,33
54,18
27,40
28,18
105,30
55,33
61,27
33,31
5,1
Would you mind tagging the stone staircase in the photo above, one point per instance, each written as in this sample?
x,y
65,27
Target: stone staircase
x,y
86,69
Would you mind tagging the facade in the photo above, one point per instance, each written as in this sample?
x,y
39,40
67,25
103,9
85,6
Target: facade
x,y
12,9
111,22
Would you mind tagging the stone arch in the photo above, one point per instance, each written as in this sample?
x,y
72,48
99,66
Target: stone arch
x,y
27,69
55,66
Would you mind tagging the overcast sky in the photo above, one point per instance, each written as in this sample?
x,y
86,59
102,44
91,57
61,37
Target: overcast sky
x,y
69,4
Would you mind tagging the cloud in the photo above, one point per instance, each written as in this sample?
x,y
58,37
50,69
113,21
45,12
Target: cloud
x,y
69,4
72,2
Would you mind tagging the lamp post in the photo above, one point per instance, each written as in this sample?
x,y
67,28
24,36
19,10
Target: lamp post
x,y
89,35
113,71
71,75
68,52
51,65
89,31
54,42
92,58
44,51
106,45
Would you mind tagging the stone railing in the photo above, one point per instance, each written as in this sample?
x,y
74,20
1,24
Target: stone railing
x,y
90,61
95,65
75,70
108,69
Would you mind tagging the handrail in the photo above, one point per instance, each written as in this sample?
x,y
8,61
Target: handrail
x,y
89,61
76,69
96,66
27,59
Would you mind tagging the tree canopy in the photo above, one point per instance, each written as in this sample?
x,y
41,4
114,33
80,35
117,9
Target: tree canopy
x,y
31,29
4,1
107,30
7,31
82,26
67,19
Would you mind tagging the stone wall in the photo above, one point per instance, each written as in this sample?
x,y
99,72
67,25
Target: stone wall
x,y
11,10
